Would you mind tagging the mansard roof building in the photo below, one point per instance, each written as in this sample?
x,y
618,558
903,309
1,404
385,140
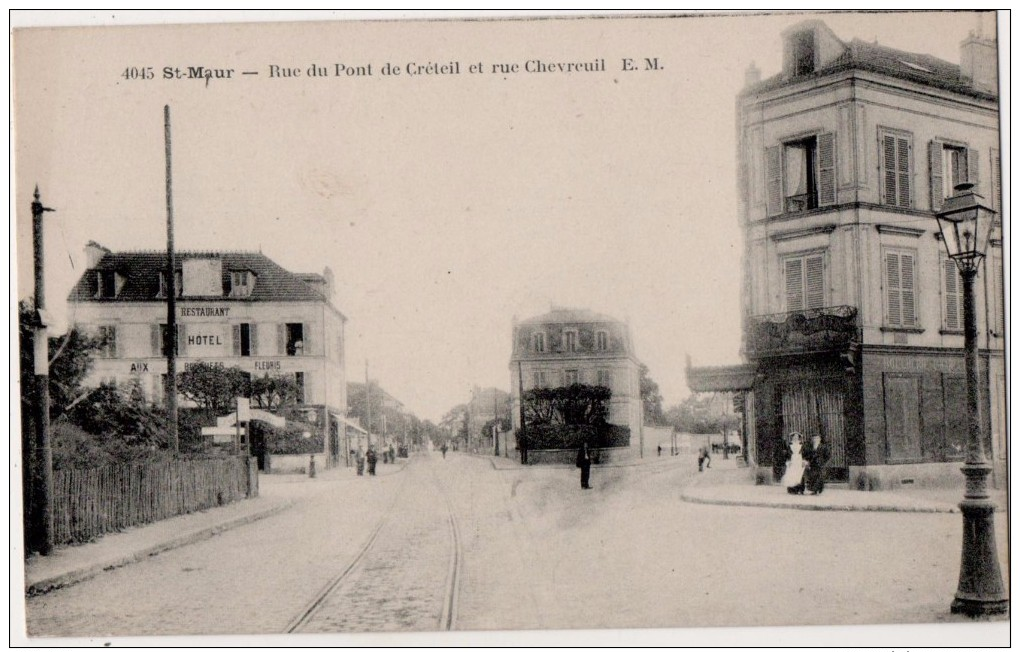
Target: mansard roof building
x,y
852,311
236,309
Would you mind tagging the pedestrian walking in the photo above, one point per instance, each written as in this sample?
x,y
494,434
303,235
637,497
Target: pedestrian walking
x,y
659,449
816,456
393,455
584,463
371,458
704,459
443,448
359,460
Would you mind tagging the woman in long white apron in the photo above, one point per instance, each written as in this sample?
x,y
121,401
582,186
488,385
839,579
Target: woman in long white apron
x,y
793,478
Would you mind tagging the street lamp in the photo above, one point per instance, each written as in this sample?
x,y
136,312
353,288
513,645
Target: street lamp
x,y
966,226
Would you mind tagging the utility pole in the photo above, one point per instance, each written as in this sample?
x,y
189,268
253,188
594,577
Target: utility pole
x,y
41,508
495,422
171,296
522,436
368,405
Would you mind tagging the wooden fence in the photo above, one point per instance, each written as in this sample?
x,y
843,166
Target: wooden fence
x,y
88,503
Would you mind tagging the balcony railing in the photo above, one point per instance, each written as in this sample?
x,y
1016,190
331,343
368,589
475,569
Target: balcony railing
x,y
832,329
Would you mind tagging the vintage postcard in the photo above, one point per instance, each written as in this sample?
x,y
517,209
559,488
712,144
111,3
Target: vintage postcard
x,y
477,328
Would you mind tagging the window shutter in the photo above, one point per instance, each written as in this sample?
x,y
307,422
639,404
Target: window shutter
x,y
907,289
935,164
953,296
996,181
253,338
182,341
999,297
774,180
794,285
815,286
236,328
889,170
306,334
903,172
892,279
281,339
973,158
154,341
826,169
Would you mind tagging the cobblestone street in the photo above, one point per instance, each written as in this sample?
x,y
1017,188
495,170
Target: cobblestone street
x,y
456,542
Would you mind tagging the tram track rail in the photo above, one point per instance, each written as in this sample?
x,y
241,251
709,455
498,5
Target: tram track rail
x,y
356,576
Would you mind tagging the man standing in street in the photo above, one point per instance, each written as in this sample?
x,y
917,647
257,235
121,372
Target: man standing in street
x,y
371,458
584,463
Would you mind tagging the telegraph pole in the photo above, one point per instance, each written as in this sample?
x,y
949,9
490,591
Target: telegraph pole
x,y
495,422
41,510
368,405
522,436
171,296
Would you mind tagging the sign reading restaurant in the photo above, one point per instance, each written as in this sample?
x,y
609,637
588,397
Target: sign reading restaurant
x,y
205,311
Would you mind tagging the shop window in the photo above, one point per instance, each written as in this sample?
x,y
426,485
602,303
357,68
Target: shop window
x,y
955,408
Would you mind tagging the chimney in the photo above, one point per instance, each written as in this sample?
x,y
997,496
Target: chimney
x,y
752,75
979,63
327,275
94,253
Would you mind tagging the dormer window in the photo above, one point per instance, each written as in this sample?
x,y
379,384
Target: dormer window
x,y
178,284
241,283
109,284
803,45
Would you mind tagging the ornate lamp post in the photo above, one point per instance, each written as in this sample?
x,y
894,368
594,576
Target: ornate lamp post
x,y
966,226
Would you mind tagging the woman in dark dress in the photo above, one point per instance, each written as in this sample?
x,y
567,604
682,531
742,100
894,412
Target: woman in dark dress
x,y
817,457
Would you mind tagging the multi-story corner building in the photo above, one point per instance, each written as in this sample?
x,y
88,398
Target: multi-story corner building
x,y
236,309
852,312
566,346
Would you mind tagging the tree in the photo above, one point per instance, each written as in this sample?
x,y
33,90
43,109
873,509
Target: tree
x,y
651,398
70,362
703,414
274,392
575,405
213,387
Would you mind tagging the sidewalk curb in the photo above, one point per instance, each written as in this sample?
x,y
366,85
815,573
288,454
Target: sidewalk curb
x,y
73,577
687,497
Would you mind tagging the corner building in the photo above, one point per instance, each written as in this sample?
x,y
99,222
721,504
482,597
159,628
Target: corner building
x,y
567,346
852,311
236,309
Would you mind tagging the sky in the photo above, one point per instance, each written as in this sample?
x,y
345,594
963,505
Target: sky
x,y
445,205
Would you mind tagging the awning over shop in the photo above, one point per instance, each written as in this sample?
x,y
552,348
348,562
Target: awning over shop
x,y
346,422
732,378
